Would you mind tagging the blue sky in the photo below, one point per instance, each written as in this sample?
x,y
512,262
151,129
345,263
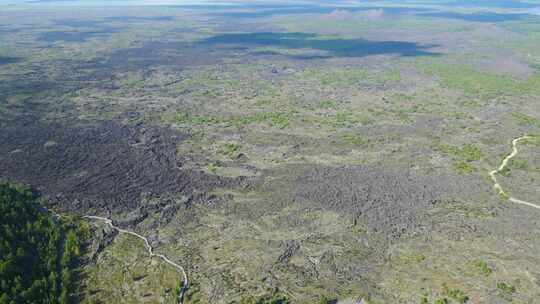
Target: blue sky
x,y
49,3
152,2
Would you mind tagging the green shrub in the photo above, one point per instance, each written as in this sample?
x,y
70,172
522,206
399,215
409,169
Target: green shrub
x,y
506,288
441,301
419,257
483,267
181,117
471,153
280,120
534,140
519,163
526,120
230,149
505,171
456,294
462,167
353,139
328,104
462,156
467,153
212,167
345,119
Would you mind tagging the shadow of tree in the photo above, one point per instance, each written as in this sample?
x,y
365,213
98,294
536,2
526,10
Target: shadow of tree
x,y
335,47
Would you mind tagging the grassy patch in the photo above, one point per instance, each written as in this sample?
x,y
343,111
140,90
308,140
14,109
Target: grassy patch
x,y
462,157
482,267
448,295
467,153
534,140
526,120
123,274
328,104
481,84
441,301
462,167
351,77
505,171
519,164
419,257
279,120
348,119
353,139
212,168
402,98
506,290
230,149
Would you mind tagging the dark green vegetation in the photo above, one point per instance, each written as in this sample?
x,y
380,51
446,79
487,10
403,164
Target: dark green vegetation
x,y
39,254
332,152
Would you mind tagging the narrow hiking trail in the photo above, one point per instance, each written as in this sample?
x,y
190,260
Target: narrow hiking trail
x,y
150,251
493,174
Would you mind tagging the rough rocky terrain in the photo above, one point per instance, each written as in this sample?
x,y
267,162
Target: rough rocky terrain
x,y
106,169
296,154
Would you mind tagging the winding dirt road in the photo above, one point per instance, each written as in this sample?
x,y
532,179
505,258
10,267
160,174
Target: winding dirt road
x,y
493,175
150,251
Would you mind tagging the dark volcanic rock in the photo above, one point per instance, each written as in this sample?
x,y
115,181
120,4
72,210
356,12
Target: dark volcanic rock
x,y
388,201
104,167
289,250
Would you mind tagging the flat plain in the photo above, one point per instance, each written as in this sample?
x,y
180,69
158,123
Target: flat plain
x,y
283,153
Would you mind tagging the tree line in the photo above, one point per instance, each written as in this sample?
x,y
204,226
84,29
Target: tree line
x,y
39,254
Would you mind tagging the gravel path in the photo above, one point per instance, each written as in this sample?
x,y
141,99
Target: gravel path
x,y
503,165
150,251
